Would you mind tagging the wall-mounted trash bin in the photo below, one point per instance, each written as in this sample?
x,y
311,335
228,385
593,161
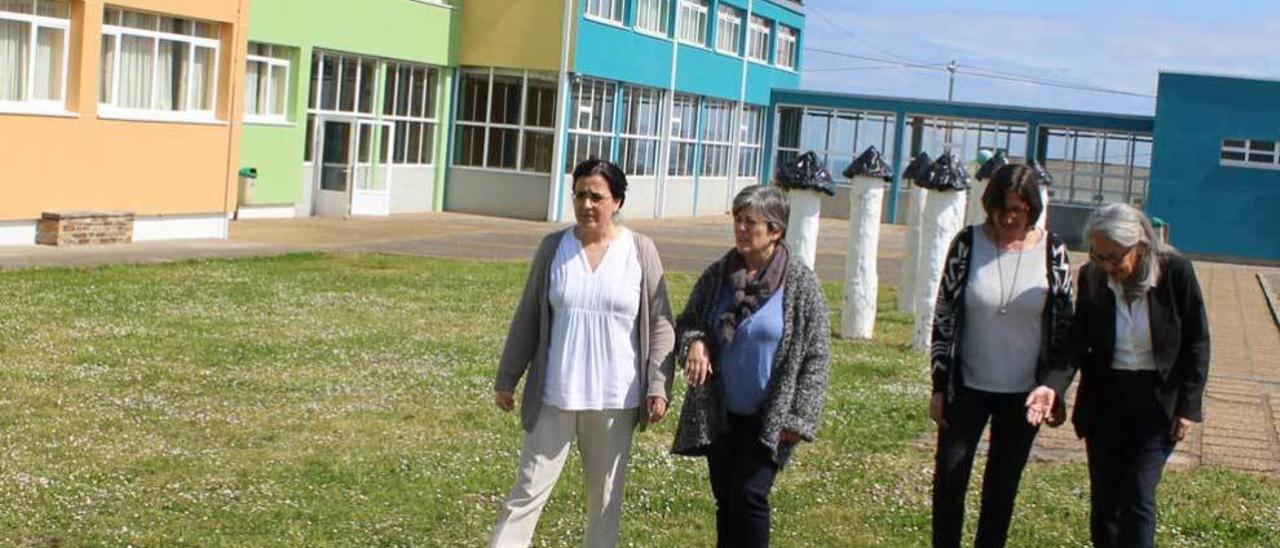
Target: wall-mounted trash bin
x,y
248,178
1162,229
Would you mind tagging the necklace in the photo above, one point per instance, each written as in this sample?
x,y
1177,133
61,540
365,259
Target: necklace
x,y
1005,301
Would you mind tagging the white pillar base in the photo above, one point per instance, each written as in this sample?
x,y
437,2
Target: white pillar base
x,y
802,226
911,260
1043,221
943,218
976,213
862,283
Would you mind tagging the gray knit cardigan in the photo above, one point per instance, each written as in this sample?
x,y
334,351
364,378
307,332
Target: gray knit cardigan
x,y
798,386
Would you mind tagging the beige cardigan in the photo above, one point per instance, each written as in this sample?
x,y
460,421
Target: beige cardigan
x,y
530,333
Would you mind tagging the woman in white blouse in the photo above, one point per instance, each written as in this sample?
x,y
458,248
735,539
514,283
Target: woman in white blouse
x,y
592,336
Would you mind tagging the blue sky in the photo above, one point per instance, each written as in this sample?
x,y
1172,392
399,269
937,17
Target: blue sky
x,y
1117,44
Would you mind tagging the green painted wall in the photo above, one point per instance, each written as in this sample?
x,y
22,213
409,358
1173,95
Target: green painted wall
x,y
406,30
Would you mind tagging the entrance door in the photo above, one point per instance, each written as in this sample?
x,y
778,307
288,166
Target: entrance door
x,y
372,189
332,193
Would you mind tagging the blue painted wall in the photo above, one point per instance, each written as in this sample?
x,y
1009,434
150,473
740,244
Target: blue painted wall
x,y
622,53
1214,209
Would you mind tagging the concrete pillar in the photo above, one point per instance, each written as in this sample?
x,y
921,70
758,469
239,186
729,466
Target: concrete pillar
x,y
943,218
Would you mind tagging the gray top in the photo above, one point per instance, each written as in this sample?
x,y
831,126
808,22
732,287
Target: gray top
x,y
1004,309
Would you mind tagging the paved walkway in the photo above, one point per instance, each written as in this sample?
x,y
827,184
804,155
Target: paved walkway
x,y
1242,406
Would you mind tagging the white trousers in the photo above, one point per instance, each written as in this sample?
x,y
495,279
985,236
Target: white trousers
x,y
604,441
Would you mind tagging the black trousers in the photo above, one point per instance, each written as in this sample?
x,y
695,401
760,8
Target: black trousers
x,y
1128,446
1010,444
742,473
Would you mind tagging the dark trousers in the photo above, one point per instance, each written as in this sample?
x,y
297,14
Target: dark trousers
x,y
1127,445
1010,444
742,473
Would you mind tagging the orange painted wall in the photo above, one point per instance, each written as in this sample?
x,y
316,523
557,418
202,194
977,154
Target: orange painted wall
x,y
150,168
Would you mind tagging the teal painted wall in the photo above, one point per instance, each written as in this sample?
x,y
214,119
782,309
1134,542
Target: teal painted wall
x,y
394,29
1214,209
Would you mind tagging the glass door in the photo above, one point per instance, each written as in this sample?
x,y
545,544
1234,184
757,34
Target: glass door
x,y
334,183
372,189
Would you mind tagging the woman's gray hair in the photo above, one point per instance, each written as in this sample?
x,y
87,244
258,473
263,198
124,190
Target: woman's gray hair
x,y
1127,226
767,201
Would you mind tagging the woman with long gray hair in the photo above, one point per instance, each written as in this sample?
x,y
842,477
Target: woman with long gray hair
x,y
1141,342
756,344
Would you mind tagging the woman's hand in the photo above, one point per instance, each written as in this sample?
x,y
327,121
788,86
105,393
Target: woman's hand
x,y
788,438
657,408
1181,428
1040,405
936,406
697,364
505,399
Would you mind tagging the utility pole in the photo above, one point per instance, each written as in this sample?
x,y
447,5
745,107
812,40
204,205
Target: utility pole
x,y
951,79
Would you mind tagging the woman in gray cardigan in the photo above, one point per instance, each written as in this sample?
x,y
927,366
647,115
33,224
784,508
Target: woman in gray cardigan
x,y
592,337
755,341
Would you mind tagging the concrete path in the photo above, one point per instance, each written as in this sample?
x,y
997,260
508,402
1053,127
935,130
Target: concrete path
x,y
1242,406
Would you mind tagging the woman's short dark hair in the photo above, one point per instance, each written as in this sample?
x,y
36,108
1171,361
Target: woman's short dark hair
x,y
611,173
1018,179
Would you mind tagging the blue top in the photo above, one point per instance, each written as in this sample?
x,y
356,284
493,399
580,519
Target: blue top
x,y
747,363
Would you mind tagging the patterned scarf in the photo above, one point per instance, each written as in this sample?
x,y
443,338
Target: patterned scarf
x,y
750,294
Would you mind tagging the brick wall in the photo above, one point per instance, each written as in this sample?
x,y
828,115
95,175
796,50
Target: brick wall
x,y
84,228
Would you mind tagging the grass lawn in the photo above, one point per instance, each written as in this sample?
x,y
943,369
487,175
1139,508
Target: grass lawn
x,y
346,400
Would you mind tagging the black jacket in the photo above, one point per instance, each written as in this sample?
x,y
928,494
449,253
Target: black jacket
x,y
1179,341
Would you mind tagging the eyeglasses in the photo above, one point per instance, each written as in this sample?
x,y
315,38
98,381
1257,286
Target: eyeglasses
x,y
1017,211
589,196
1111,258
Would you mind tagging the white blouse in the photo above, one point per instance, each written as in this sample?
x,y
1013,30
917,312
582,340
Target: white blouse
x,y
1133,333
593,361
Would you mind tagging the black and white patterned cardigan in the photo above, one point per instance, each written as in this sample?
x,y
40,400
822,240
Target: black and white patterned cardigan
x,y
797,388
948,315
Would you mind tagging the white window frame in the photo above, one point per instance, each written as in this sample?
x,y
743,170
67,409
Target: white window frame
x,y
111,110
653,12
746,142
717,135
272,62
317,79
609,12
787,54
521,127
598,134
37,22
634,138
428,121
698,12
684,135
729,24
758,35
1247,148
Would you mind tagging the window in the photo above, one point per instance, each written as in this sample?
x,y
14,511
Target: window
x,y
1250,153
154,63
728,30
693,22
1093,167
751,141
787,38
839,136
506,121
758,39
684,136
409,102
591,122
717,139
33,54
344,83
608,10
652,16
641,130
266,87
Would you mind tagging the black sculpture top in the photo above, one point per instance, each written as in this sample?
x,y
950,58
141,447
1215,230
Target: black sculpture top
x,y
948,174
919,170
1045,178
990,166
806,172
869,164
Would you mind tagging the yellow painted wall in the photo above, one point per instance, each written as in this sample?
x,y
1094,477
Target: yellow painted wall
x,y
150,168
513,34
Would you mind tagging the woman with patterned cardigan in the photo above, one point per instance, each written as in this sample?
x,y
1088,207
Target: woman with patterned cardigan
x,y
756,344
1002,317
